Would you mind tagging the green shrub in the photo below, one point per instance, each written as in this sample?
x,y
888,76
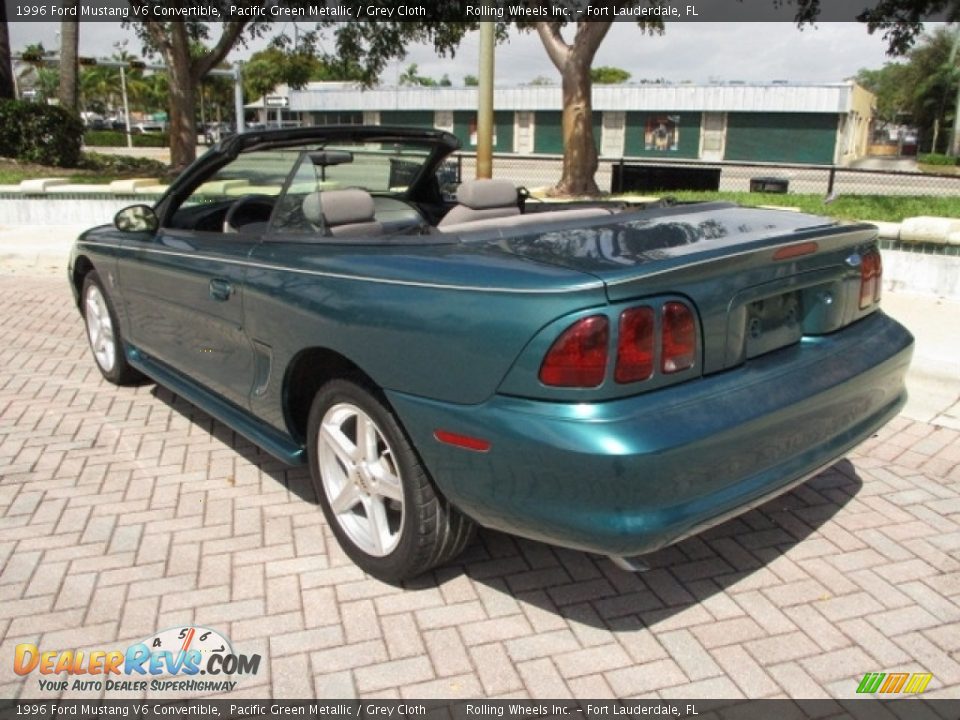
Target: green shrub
x,y
44,134
117,138
938,159
122,165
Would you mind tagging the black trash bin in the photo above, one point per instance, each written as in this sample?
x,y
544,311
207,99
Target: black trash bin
x,y
769,184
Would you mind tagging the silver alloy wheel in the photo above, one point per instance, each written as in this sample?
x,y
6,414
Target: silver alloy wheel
x,y
361,479
100,329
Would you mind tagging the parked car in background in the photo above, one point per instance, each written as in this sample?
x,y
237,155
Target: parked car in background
x,y
597,376
148,127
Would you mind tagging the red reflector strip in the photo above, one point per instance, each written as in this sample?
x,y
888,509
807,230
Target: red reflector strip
x,y
464,441
792,251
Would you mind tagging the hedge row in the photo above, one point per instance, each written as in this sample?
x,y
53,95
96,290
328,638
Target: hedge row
x,y
938,159
117,138
36,133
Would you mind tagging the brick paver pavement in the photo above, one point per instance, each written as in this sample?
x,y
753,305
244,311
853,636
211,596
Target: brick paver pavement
x,y
127,511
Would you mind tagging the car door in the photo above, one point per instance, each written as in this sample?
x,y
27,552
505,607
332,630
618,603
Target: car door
x,y
183,291
183,285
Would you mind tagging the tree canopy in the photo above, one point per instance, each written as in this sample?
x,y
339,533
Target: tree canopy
x,y
606,75
412,76
366,46
921,90
889,84
294,64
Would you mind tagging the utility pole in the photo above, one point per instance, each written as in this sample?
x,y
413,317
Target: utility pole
x,y
955,140
126,105
238,94
485,102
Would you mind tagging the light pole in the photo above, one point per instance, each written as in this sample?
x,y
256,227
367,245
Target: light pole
x,y
955,140
485,102
238,94
126,105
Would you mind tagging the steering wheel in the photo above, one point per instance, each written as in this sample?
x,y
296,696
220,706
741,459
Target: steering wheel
x,y
246,210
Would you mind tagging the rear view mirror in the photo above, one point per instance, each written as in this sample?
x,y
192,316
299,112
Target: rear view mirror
x,y
136,218
325,158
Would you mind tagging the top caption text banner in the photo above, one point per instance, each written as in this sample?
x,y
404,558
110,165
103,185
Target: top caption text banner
x,y
434,11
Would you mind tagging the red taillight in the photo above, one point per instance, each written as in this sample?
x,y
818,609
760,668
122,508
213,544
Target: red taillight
x,y
871,278
635,347
679,341
578,358
797,250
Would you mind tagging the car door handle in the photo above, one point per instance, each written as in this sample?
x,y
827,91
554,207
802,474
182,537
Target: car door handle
x,y
220,289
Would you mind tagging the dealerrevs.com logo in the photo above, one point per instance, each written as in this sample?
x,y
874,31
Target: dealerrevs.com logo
x,y
171,660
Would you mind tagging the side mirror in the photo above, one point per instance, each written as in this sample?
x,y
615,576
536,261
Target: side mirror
x,y
136,218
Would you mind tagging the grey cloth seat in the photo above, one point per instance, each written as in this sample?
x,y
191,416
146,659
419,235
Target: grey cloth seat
x,y
481,200
342,213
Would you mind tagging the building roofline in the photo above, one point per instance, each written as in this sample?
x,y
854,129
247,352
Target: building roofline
x,y
752,97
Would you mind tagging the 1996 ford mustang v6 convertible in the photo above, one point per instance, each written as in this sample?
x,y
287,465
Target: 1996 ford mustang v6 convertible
x,y
595,376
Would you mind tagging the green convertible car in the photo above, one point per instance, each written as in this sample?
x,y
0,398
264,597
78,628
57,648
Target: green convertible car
x,y
592,375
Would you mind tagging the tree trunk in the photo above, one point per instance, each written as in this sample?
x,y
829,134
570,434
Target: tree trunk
x,y
69,50
6,67
579,149
183,124
185,74
573,61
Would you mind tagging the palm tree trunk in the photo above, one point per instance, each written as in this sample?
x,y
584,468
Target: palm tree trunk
x,y
69,47
6,67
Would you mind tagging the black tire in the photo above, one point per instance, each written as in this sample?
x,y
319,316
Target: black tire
x,y
430,531
118,371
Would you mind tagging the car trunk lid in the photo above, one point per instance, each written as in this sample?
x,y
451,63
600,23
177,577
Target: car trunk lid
x,y
759,279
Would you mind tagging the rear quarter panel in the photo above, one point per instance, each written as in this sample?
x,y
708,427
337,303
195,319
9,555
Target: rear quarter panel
x,y
444,322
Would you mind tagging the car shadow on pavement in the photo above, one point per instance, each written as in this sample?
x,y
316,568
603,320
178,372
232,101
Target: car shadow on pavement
x,y
756,550
295,478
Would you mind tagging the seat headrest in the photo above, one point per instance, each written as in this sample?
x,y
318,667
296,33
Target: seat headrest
x,y
339,207
484,193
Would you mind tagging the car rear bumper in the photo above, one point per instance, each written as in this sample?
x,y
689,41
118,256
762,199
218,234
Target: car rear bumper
x,y
627,477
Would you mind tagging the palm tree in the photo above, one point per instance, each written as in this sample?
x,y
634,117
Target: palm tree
x,y
99,87
6,66
69,46
153,91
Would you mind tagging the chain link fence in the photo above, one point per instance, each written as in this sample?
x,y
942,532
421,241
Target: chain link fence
x,y
542,172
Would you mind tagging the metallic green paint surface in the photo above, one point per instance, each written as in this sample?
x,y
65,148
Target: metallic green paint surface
x,y
453,330
629,476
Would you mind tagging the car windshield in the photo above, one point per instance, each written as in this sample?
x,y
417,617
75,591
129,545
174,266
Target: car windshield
x,y
262,172
374,167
